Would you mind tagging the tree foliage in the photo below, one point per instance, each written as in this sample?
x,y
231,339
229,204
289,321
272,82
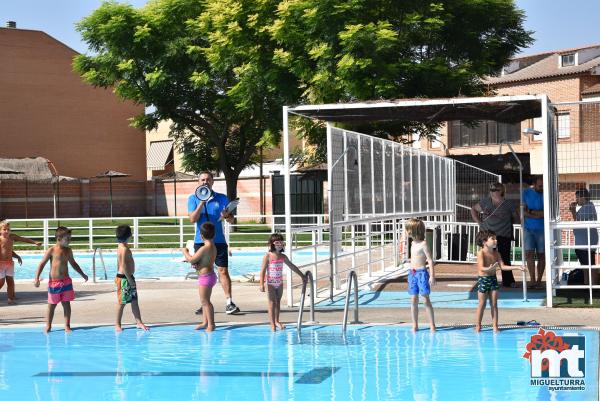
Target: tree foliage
x,y
205,65
360,50
220,70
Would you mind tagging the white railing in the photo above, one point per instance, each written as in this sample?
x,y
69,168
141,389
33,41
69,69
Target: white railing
x,y
377,246
154,232
562,261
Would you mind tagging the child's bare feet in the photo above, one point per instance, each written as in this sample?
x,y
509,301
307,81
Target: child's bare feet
x,y
118,328
201,326
273,328
477,328
210,328
68,329
11,301
280,325
415,328
496,329
432,328
142,326
47,329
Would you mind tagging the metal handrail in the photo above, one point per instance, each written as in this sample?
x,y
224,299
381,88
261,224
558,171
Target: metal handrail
x,y
309,279
99,251
351,279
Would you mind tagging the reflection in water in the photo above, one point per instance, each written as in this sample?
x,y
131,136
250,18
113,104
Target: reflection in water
x,y
179,363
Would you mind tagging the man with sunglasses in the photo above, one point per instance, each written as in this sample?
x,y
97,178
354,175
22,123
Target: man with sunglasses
x,y
496,213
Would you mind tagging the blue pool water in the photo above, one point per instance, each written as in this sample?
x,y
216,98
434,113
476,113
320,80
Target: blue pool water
x,y
251,363
439,299
150,264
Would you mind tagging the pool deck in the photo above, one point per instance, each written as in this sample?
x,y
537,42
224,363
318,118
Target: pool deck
x,y
171,302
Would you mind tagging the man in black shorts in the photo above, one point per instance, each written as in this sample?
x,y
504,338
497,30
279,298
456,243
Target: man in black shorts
x,y
214,211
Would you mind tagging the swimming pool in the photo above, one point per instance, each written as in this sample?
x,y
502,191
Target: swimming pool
x,y
250,363
156,264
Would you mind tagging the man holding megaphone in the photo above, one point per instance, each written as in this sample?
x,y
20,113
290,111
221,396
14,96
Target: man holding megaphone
x,y
207,205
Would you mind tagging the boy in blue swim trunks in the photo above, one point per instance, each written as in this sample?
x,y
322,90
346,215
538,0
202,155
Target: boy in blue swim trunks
x,y
419,279
488,262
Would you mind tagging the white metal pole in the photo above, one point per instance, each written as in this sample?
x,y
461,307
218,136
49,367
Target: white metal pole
x,y
287,200
330,210
547,199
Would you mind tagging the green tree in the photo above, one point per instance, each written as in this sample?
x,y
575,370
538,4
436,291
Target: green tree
x,y
220,70
207,66
360,50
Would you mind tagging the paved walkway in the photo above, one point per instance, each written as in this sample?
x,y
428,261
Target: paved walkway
x,y
169,302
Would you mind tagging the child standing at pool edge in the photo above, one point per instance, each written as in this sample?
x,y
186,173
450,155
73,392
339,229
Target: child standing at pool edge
x,y
60,286
488,262
271,272
7,266
203,261
125,281
419,279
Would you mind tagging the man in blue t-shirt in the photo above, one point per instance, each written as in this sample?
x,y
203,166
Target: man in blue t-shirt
x,y
214,211
533,232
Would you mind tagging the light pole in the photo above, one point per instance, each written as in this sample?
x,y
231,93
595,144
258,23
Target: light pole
x,y
521,213
330,213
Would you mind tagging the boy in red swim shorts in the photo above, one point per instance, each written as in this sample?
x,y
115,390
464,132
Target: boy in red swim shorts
x,y
60,286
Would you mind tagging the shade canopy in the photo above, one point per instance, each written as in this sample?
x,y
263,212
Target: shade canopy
x,y
8,170
508,109
31,169
112,174
175,176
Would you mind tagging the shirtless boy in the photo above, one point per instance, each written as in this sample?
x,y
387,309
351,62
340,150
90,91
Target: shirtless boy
x,y
488,262
7,253
60,286
126,285
420,279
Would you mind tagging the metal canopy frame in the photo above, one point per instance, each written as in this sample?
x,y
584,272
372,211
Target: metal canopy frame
x,y
499,108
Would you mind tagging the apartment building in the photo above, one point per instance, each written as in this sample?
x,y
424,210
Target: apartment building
x,y
571,79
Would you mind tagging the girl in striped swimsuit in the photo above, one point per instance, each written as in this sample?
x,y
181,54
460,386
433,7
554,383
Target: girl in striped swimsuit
x,y
272,273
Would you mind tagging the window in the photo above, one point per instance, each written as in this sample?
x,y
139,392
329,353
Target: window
x,y
476,133
567,60
563,124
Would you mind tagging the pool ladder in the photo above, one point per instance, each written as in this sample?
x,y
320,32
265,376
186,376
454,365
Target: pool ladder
x,y
309,279
99,251
352,280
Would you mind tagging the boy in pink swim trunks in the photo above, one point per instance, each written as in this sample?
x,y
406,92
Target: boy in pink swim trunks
x,y
203,261
126,285
60,286
271,272
7,253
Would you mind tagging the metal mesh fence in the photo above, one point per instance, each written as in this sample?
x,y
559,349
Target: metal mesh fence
x,y
372,177
573,145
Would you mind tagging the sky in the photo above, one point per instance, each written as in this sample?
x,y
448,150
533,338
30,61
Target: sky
x,y
557,24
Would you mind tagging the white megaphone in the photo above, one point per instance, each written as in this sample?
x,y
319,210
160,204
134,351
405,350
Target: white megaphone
x,y
204,193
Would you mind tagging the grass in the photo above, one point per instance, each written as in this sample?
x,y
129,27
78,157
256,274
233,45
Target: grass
x,y
576,299
153,233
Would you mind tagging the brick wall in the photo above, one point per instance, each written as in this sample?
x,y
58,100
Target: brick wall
x,y
91,198
160,199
